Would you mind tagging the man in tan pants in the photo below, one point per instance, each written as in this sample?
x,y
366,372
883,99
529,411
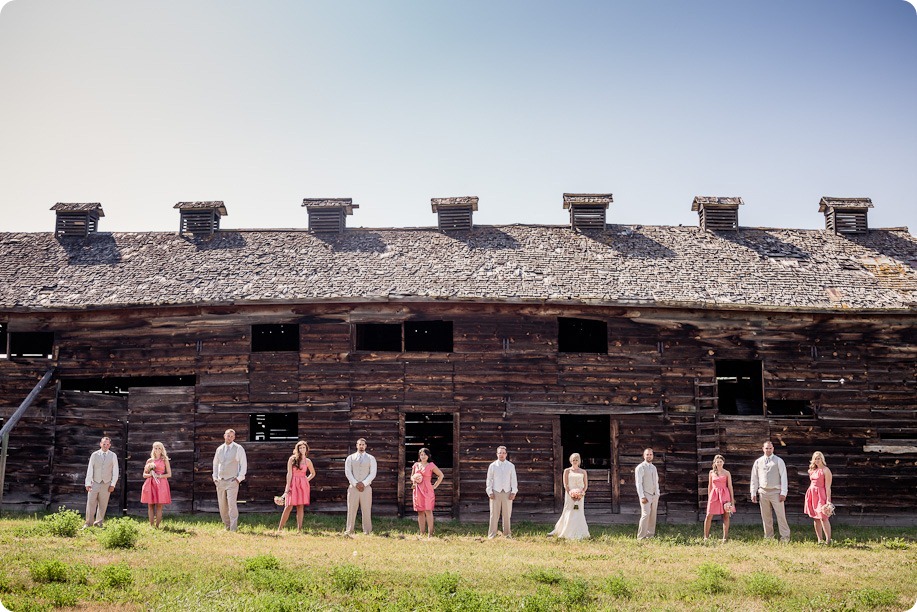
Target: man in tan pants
x,y
360,469
229,467
769,484
647,480
101,478
501,487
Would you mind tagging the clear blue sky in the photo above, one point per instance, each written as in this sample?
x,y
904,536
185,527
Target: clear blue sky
x,y
139,105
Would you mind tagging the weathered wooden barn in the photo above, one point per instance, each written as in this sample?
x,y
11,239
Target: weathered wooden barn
x,y
589,337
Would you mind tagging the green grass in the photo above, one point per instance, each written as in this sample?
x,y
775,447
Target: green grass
x,y
193,564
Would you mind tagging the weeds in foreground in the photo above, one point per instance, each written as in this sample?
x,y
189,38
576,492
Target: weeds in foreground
x,y
120,533
50,570
63,523
116,576
545,576
346,577
619,587
765,586
711,579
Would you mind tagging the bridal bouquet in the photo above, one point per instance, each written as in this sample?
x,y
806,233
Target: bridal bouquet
x,y
150,467
827,509
576,495
280,500
729,507
417,478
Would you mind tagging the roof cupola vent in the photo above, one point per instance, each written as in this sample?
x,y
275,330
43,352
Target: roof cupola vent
x,y
327,215
587,210
75,219
454,214
200,218
718,214
845,215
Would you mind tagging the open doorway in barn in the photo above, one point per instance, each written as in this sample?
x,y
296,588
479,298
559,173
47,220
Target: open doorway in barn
x,y
437,431
592,437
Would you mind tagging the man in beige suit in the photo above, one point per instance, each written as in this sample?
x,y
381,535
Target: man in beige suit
x,y
647,479
501,486
769,485
360,469
101,478
229,467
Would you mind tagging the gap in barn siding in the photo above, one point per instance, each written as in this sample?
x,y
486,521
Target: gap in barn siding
x,y
276,337
273,427
740,386
581,335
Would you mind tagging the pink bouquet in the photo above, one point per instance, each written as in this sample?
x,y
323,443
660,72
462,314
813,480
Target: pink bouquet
x,y
280,500
150,467
576,494
827,509
729,507
417,478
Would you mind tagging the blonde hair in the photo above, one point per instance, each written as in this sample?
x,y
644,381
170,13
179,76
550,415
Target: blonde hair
x,y
161,447
577,457
713,463
297,456
819,455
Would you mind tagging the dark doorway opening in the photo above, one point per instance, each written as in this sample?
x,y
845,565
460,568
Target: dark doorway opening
x,y
433,430
273,427
4,341
275,337
590,436
581,335
740,387
428,336
378,337
26,345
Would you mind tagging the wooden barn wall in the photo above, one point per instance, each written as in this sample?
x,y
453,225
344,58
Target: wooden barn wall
x,y
506,382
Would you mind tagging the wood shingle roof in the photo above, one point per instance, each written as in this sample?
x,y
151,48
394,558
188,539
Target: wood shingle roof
x,y
650,265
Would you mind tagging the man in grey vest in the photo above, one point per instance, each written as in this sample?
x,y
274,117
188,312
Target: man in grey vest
x,y
769,484
647,480
101,478
229,467
360,469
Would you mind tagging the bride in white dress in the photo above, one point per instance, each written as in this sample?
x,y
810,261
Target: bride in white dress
x,y
572,522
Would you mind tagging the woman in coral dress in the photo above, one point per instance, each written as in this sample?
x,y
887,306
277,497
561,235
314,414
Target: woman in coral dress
x,y
819,494
572,522
296,494
156,492
421,482
720,497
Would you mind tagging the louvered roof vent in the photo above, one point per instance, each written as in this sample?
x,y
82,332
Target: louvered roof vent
x,y
587,210
454,214
74,219
718,214
845,215
327,215
200,218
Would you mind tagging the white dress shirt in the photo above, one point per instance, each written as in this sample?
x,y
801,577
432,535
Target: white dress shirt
x,y
501,476
358,462
768,473
221,469
106,456
647,477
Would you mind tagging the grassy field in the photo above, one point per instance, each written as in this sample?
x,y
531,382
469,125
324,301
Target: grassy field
x,y
192,564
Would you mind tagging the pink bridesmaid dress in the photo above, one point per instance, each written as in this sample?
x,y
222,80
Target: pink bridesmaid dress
x,y
299,487
719,495
424,497
816,495
156,490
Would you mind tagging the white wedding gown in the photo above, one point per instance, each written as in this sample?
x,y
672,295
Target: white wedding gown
x,y
572,523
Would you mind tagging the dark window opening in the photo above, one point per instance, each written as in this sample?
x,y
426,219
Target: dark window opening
x,y
31,344
275,337
119,385
789,408
897,435
4,339
378,337
432,430
740,387
273,427
581,336
590,436
428,336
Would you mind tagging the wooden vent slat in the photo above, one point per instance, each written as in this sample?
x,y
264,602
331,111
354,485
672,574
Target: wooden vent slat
x,y
587,217
720,219
326,220
76,224
848,222
199,221
454,219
